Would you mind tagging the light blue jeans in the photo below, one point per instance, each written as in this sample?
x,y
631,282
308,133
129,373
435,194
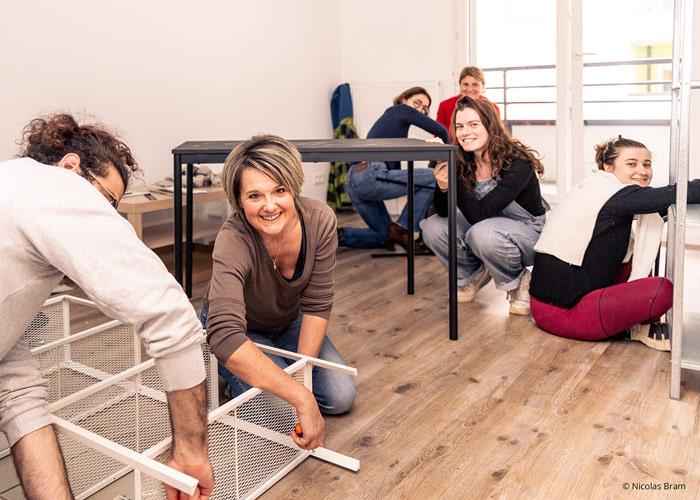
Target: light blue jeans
x,y
334,392
368,189
504,244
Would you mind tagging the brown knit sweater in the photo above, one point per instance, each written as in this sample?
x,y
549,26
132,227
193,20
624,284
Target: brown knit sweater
x,y
247,293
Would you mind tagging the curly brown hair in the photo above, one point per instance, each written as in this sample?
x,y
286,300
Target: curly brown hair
x,y
501,149
47,139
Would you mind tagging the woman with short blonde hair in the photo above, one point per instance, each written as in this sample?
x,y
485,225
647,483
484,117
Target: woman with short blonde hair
x,y
272,283
269,154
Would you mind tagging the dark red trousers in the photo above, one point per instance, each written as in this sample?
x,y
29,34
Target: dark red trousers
x,y
607,311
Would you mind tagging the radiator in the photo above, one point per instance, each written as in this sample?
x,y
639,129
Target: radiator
x,y
369,100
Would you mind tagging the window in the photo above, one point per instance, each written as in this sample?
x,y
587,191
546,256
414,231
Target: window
x,y
620,96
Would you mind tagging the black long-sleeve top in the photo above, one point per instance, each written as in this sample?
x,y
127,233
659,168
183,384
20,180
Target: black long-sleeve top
x,y
518,183
396,121
562,284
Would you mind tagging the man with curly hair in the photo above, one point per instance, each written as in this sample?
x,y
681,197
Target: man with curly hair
x,y
56,223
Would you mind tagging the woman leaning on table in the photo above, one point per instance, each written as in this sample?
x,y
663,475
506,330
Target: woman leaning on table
x,y
589,282
370,183
501,212
272,283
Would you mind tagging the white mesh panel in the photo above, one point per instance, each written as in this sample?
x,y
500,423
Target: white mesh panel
x,y
210,364
86,466
132,413
46,326
79,364
247,446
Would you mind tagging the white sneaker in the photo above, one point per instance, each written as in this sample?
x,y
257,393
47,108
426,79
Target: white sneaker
x,y
468,292
520,297
655,336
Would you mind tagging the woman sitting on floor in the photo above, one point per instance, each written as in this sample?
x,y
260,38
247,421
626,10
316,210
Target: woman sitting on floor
x,y
272,280
501,212
369,184
584,285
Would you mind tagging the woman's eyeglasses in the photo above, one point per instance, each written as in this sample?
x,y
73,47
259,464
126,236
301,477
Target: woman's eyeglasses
x,y
418,105
114,201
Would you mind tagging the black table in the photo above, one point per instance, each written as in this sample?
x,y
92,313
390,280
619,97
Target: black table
x,y
349,150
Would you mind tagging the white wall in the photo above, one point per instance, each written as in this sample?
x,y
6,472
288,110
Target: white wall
x,y
162,72
405,41
401,41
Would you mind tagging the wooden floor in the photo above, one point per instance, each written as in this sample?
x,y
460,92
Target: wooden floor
x,y
507,411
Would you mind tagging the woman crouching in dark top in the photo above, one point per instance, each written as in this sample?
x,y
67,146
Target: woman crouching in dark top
x,y
590,279
501,212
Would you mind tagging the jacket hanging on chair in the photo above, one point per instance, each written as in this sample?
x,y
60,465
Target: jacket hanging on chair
x,y
343,128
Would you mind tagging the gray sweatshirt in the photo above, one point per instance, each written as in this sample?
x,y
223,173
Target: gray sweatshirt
x,y
54,223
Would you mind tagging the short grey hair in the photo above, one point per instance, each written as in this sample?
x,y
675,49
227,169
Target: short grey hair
x,y
272,155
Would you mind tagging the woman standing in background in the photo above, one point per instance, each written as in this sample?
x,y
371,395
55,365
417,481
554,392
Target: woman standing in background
x,y
472,84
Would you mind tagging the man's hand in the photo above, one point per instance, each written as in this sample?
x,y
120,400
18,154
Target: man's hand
x,y
441,175
312,425
198,469
188,453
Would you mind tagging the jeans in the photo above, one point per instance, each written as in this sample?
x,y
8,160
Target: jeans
x,y
368,190
504,244
334,392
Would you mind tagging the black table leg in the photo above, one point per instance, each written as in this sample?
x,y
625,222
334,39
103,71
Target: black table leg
x,y
411,246
188,228
452,237
177,199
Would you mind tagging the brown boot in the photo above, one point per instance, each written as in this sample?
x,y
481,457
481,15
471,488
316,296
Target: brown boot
x,y
396,234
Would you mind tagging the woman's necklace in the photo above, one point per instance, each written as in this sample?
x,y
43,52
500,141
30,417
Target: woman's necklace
x,y
279,251
280,248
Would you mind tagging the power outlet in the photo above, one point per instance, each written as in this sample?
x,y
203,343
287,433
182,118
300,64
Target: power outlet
x,y
319,179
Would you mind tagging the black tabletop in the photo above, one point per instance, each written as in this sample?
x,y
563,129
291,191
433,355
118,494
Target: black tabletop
x,y
329,145
328,149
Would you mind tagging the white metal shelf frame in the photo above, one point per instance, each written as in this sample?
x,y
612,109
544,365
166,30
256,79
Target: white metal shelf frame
x,y
250,447
684,352
81,364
